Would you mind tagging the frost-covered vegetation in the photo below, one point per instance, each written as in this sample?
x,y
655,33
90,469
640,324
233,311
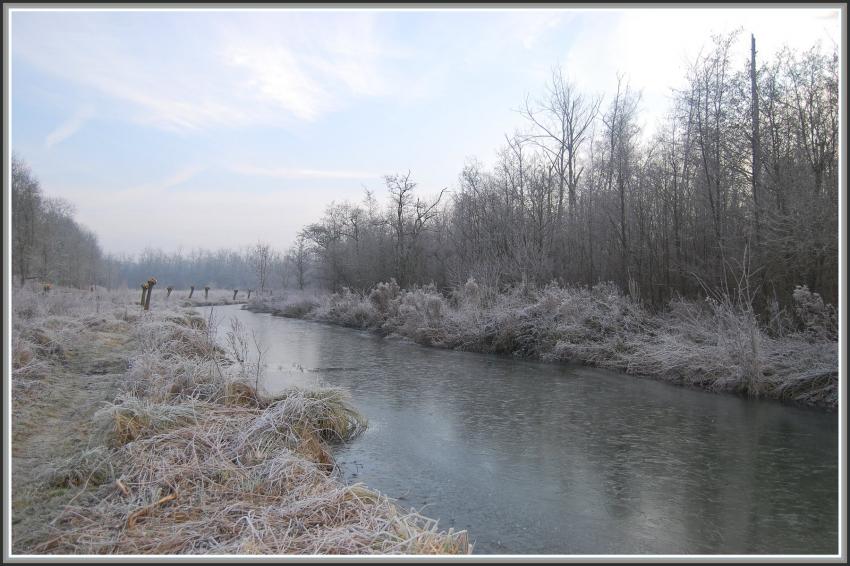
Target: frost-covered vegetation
x,y
46,324
717,344
189,456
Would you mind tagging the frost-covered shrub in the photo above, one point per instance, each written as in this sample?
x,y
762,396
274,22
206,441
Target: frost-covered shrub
x,y
468,295
814,316
298,309
420,315
384,298
348,308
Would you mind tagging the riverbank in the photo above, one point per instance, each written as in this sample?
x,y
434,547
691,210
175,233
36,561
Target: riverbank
x,y
713,345
137,433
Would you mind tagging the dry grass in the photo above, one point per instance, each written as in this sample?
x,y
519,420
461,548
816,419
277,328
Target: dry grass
x,y
715,345
190,458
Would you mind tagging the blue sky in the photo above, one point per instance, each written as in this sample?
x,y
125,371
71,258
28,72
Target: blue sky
x,y
183,129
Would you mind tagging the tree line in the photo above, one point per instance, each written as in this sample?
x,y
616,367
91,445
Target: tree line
x,y
48,245
735,193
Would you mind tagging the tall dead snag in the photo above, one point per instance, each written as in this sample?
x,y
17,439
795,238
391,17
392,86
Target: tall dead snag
x,y
756,148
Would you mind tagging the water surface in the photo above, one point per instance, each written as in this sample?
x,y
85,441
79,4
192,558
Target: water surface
x,y
536,458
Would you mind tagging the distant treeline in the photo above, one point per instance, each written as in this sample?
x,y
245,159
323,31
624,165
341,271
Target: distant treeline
x,y
224,268
49,246
727,196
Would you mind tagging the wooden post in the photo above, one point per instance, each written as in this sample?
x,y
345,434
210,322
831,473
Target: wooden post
x,y
151,283
144,292
191,290
206,292
249,294
168,291
234,293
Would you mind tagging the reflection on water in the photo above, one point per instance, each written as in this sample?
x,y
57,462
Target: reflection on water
x,y
535,458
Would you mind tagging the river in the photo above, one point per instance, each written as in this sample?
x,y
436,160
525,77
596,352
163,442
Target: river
x,y
537,458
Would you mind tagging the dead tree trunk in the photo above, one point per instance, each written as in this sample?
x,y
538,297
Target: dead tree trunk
x,y
168,291
234,293
191,290
144,292
151,282
756,148
206,293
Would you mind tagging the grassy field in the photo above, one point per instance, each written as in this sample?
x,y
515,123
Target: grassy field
x,y
138,433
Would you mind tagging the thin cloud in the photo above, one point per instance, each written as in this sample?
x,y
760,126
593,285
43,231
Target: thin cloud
x,y
69,127
260,72
176,179
157,187
287,173
277,76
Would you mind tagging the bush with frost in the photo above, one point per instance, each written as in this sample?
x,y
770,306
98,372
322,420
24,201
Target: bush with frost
x,y
814,317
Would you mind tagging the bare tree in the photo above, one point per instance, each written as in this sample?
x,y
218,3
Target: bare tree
x,y
298,255
410,218
562,122
261,258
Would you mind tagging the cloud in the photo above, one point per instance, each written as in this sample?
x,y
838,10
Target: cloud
x,y
69,127
178,178
189,72
152,190
530,27
286,173
276,75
